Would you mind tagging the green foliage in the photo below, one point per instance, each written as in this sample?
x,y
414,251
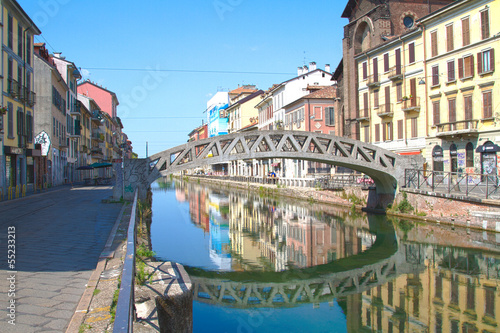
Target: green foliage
x,y
421,213
83,327
404,205
96,291
141,276
143,252
114,302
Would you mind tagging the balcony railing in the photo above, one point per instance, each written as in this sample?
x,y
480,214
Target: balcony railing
x,y
385,110
13,88
454,183
373,81
411,104
458,128
31,100
363,115
395,73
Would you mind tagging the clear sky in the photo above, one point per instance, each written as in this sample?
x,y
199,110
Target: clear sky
x,y
165,59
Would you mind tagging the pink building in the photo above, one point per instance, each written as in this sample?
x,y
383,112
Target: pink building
x,y
105,98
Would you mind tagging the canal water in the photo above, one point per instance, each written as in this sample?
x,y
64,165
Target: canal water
x,y
263,264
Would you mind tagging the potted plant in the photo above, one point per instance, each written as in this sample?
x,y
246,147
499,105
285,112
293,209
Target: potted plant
x,y
3,110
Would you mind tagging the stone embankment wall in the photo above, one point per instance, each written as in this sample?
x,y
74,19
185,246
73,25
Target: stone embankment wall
x,y
477,215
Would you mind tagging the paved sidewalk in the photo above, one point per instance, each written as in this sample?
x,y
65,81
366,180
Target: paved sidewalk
x,y
59,236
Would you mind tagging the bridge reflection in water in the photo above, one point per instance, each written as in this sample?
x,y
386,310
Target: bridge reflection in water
x,y
280,255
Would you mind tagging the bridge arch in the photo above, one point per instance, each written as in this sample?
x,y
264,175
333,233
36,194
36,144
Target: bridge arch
x,y
383,166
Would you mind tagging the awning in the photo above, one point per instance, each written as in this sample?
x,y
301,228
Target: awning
x,y
410,153
84,167
488,148
275,164
101,165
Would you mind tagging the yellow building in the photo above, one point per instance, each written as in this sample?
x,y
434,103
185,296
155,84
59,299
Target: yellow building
x,y
391,110
462,89
19,155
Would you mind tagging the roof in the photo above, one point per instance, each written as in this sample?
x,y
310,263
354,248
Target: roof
x,y
325,93
98,86
246,99
436,12
243,89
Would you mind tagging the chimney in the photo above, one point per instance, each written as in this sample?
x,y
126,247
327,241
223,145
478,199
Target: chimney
x,y
299,71
57,54
305,70
327,68
312,66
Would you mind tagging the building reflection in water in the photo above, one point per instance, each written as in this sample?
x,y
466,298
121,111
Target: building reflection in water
x,y
449,289
251,233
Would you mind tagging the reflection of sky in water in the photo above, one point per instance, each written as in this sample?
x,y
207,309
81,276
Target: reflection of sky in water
x,y
305,318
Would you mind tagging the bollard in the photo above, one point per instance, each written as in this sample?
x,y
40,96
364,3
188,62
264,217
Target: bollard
x,y
9,193
23,192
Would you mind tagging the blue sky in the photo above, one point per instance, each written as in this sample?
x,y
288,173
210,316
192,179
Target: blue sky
x,y
131,48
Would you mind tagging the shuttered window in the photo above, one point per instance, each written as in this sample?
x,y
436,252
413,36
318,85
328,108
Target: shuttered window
x,y
486,61
452,112
414,127
375,70
487,104
411,53
388,99
365,71
10,32
398,61
465,32
365,101
10,120
400,129
388,130
386,62
384,132
366,130
399,91
435,75
436,112
449,37
485,24
466,67
375,99
434,44
377,132
468,107
451,71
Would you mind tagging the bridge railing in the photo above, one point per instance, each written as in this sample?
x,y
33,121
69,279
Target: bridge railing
x,y
485,186
125,308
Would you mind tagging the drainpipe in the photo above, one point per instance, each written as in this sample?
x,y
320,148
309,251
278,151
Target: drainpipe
x,y
25,57
426,90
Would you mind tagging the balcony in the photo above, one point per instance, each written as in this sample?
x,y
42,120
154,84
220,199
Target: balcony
x,y
74,135
411,104
363,115
373,81
395,73
75,110
96,153
31,100
99,137
385,110
63,143
13,88
461,128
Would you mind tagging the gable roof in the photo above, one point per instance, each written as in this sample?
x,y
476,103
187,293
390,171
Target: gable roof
x,y
325,93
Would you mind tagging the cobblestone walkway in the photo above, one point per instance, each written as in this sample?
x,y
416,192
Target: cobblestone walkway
x,y
59,236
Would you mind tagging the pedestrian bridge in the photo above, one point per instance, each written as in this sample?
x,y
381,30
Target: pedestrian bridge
x,y
383,166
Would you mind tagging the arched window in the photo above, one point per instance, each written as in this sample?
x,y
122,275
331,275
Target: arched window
x,y
469,155
437,158
362,38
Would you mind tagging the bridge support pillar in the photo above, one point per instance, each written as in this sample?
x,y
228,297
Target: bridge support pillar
x,y
135,175
379,200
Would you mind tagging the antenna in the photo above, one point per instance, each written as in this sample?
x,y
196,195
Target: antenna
x,y
304,58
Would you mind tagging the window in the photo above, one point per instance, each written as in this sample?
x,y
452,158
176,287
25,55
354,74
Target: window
x,y
400,129
487,104
375,69
377,132
452,115
29,127
451,71
28,49
388,99
20,41
397,54
411,52
468,107
408,21
10,31
365,100
469,163
10,120
388,131
330,116
375,99
486,61
466,67
386,62
485,24
399,91
434,44
449,37
366,130
414,128
465,32
435,75
365,70
436,112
